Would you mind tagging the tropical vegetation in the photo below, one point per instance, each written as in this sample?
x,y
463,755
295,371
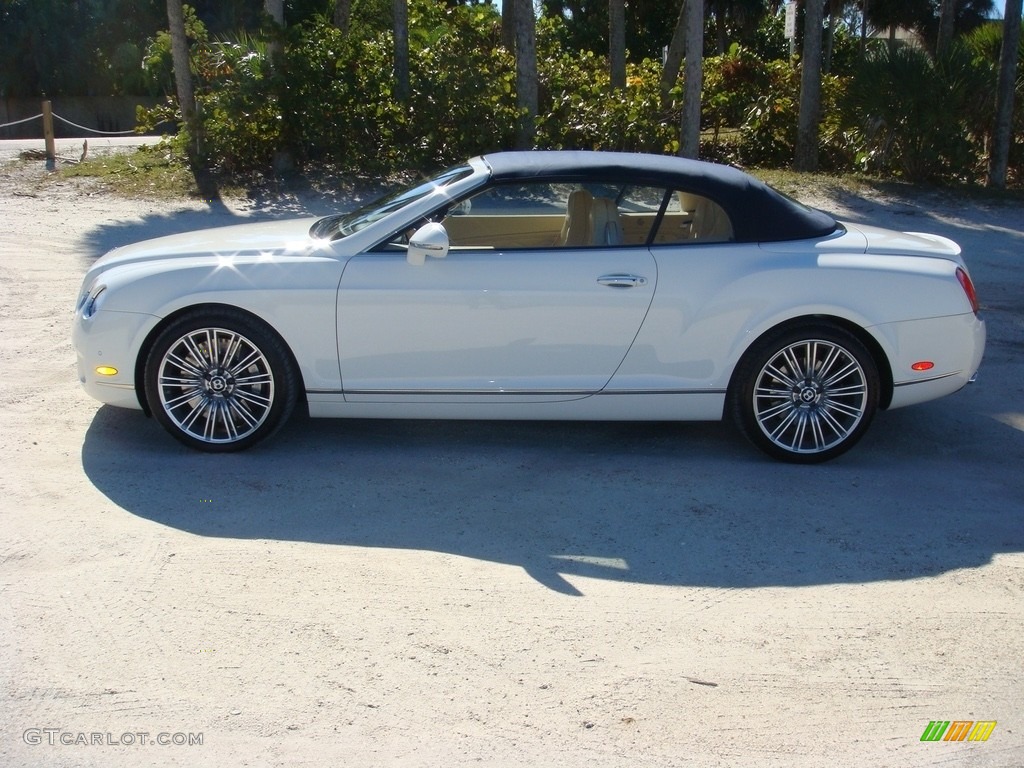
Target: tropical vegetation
x,y
907,91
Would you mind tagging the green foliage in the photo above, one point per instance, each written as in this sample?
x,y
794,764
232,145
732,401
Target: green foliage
x,y
769,129
911,116
761,101
463,84
581,111
328,98
732,83
238,104
770,41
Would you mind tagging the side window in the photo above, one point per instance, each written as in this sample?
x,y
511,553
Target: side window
x,y
691,218
551,214
511,216
638,210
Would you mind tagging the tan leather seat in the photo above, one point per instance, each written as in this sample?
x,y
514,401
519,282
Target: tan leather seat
x,y
605,223
576,228
709,224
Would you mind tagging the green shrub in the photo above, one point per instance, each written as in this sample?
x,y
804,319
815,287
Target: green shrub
x,y
329,98
579,109
908,115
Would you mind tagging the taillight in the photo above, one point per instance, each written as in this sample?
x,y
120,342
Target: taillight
x,y
968,286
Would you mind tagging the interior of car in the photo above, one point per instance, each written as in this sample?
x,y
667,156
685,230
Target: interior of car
x,y
548,215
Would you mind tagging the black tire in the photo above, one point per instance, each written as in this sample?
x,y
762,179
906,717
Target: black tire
x,y
806,394
220,380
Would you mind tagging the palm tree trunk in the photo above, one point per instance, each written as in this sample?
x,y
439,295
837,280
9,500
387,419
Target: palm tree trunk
x,y
674,56
526,73
810,89
401,13
508,24
342,15
275,9
689,143
1002,134
617,42
183,76
947,12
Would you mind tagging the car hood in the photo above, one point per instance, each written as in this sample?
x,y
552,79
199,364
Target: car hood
x,y
262,240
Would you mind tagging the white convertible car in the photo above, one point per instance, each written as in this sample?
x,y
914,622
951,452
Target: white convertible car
x,y
537,285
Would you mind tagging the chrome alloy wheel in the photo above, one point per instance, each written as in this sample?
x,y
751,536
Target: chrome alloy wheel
x,y
215,385
810,396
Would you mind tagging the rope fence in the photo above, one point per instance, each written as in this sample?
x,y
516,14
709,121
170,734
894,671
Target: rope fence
x,y
48,116
19,122
68,122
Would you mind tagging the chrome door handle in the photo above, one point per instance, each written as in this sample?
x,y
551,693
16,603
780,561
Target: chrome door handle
x,y
622,281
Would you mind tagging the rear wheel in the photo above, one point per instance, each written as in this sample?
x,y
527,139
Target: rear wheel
x,y
220,380
807,394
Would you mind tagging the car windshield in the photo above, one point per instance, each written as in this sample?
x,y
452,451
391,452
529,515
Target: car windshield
x,y
341,225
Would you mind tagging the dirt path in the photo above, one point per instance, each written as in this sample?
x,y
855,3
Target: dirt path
x,y
424,594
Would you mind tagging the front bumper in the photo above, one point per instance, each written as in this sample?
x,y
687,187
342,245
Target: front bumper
x,y
112,340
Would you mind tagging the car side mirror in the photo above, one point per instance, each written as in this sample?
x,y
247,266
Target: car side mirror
x,y
429,240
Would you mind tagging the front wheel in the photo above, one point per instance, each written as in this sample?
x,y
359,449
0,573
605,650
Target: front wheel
x,y
806,395
220,380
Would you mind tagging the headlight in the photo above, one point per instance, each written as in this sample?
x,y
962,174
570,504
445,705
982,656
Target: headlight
x,y
92,301
83,296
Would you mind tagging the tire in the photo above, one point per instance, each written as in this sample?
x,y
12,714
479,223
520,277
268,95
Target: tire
x,y
807,394
220,380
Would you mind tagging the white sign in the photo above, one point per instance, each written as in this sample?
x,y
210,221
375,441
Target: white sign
x,y
790,21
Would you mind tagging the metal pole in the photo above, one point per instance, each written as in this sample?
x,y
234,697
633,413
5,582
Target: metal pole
x,y
51,149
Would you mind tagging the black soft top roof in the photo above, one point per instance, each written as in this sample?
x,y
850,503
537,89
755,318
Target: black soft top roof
x,y
758,212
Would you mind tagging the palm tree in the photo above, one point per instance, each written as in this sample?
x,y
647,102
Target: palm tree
x,y
689,144
508,24
810,88
342,15
674,56
400,9
947,14
1002,135
617,42
275,9
183,75
526,72
835,10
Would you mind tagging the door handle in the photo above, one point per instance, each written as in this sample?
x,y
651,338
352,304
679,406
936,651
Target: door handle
x,y
622,281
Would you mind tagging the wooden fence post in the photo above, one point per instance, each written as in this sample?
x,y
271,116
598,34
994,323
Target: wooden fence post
x,y
51,150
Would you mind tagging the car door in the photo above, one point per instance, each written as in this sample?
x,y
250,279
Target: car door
x,y
512,312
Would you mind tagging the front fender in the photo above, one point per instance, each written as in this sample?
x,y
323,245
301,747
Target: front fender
x,y
296,297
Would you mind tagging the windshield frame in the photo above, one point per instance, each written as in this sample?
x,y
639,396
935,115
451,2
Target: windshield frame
x,y
343,225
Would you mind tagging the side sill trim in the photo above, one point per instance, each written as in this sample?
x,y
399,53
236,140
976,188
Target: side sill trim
x,y
924,381
513,392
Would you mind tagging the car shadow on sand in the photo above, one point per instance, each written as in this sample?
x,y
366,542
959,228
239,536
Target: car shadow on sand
x,y
671,504
931,488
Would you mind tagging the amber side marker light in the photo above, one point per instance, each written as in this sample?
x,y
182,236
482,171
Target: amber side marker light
x,y
106,370
924,365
